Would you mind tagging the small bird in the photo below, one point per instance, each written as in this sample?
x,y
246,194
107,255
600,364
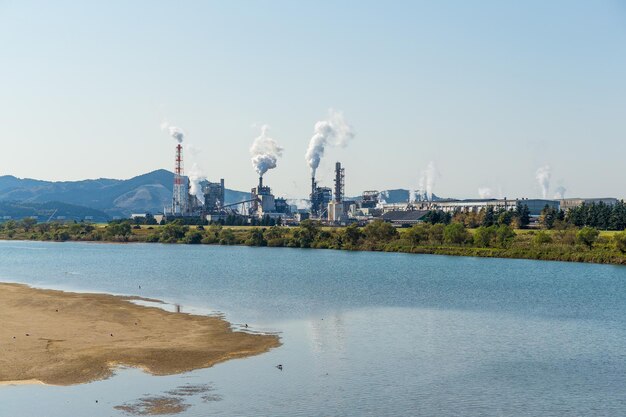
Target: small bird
x,y
27,334
279,366
246,325
111,334
140,287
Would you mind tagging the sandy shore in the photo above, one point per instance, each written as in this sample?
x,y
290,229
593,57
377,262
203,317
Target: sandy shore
x,y
62,338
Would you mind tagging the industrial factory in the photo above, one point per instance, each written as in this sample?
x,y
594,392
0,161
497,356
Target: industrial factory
x,y
197,200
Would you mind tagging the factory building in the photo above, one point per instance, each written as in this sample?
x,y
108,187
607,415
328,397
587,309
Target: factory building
x,y
534,205
337,208
264,204
262,200
213,196
568,203
320,197
404,218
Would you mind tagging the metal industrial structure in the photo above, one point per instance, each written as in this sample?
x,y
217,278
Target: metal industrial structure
x,y
213,196
180,194
338,208
320,197
330,205
264,204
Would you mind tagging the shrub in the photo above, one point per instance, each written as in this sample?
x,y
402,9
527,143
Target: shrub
x,y
276,242
379,231
587,236
435,233
504,236
418,234
227,237
542,238
154,237
255,238
456,233
619,239
193,237
483,236
209,240
352,235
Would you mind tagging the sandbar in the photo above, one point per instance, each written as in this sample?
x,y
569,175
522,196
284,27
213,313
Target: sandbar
x,y
63,338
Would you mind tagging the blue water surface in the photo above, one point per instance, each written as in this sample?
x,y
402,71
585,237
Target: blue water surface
x,y
363,333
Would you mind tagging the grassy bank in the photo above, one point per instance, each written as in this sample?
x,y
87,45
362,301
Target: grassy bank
x,y
571,244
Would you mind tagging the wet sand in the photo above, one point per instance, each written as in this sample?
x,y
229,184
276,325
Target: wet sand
x,y
63,338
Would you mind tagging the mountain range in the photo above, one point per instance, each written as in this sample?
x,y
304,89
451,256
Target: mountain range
x,y
115,198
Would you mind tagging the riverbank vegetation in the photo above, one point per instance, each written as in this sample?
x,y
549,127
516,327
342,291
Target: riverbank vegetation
x,y
563,241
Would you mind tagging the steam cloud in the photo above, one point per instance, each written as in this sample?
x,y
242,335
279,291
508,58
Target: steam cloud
x,y
485,192
560,192
265,152
543,176
176,133
300,203
334,132
195,182
427,182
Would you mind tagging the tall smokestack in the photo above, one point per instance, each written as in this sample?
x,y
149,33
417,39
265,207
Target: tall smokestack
x,y
339,182
179,192
260,182
313,185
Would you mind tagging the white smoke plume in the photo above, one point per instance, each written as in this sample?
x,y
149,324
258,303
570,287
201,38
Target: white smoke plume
x,y
265,152
382,197
176,133
331,132
485,192
427,182
300,203
195,182
560,192
543,176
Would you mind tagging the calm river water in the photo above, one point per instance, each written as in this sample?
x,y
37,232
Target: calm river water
x,y
364,334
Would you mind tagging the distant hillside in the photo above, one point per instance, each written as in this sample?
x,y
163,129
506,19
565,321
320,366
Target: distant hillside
x,y
145,193
52,210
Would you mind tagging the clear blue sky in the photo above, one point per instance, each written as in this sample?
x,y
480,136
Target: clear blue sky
x,y
487,90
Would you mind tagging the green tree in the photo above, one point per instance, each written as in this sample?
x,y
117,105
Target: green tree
x,y
173,232
541,238
352,235
118,230
379,231
522,215
619,239
505,217
193,237
418,234
548,216
307,233
275,232
489,217
587,236
504,236
256,238
28,223
484,236
456,233
227,237
435,233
